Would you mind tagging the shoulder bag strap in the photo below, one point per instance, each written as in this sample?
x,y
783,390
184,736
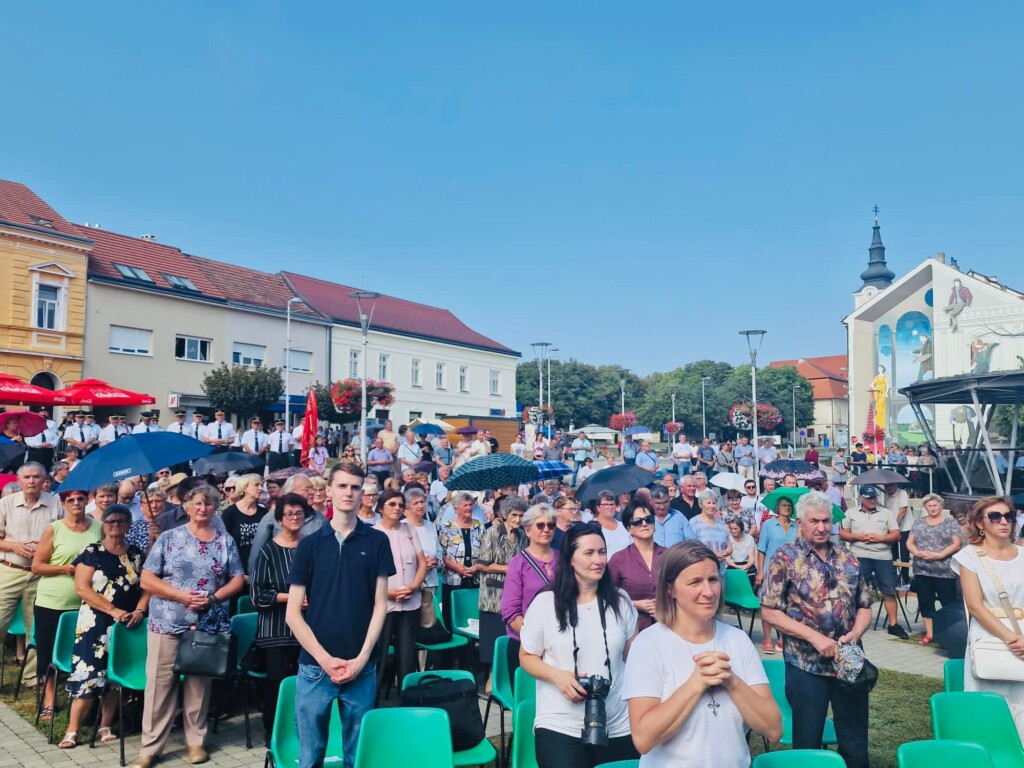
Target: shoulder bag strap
x,y
537,568
1004,597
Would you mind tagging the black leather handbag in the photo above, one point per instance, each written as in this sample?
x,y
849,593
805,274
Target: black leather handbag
x,y
205,654
456,697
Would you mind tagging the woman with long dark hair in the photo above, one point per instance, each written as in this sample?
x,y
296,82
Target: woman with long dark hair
x,y
575,638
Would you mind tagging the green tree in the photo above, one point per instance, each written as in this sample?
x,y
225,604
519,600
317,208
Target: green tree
x,y
325,405
243,390
775,386
580,393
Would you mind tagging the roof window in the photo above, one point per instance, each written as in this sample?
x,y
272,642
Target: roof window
x,y
133,273
181,283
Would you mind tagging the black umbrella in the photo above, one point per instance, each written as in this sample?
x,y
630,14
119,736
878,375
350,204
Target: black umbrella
x,y
222,463
11,455
880,477
803,470
622,478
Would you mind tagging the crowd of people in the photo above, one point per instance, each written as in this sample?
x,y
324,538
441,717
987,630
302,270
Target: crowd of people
x,y
618,598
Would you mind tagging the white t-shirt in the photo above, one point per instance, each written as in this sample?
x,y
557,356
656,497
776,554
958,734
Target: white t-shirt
x,y
682,452
616,540
518,449
898,500
541,637
660,662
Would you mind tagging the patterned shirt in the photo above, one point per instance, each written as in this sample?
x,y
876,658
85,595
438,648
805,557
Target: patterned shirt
x,y
823,594
453,546
497,549
935,538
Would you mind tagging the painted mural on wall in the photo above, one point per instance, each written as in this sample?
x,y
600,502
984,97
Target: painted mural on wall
x,y
905,355
960,297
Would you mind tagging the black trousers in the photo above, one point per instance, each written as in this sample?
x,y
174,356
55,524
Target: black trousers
x,y
513,660
45,626
556,750
809,695
399,631
277,460
282,661
930,588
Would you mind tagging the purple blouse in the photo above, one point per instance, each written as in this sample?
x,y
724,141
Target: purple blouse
x,y
522,584
630,573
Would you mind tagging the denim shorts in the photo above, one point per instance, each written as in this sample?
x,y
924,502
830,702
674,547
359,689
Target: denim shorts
x,y
883,571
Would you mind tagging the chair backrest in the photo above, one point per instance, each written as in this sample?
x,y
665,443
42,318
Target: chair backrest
x,y
465,606
243,627
799,758
18,622
128,649
928,754
525,688
447,674
953,672
284,740
501,683
524,745
775,669
980,717
431,747
620,764
737,587
244,605
64,643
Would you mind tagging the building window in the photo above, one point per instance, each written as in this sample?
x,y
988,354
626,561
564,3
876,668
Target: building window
x,y
439,376
130,341
413,415
414,373
133,273
181,283
248,354
47,303
494,386
191,348
382,366
463,379
353,363
301,362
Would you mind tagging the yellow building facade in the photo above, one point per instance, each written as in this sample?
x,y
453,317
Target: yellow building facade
x,y
43,271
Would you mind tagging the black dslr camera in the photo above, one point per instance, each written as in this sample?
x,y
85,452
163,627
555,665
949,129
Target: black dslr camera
x,y
595,733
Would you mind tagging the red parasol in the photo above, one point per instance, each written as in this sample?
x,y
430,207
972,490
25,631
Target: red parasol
x,y
96,392
29,424
5,479
14,390
310,425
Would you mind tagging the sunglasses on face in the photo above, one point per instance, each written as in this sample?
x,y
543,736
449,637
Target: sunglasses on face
x,y
636,522
543,525
750,487
995,517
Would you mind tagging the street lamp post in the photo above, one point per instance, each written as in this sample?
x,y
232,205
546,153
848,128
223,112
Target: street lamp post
x,y
703,410
754,339
796,387
622,388
540,349
288,360
673,407
551,409
364,325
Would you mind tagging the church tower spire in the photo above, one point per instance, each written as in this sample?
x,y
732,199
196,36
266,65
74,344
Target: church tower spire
x,y
878,273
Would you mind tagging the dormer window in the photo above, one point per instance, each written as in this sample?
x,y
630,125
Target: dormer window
x,y
181,283
133,273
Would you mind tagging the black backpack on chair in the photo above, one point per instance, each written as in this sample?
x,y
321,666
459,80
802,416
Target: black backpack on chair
x,y
456,697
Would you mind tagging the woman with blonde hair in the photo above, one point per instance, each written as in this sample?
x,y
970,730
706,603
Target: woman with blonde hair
x,y
319,500
242,519
993,564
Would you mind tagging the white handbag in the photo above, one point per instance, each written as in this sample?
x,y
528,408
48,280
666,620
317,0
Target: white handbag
x,y
990,658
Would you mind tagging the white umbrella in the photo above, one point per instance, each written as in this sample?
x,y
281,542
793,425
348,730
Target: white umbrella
x,y
730,481
436,422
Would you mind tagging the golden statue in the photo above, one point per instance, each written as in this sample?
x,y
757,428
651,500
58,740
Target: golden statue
x,y
880,391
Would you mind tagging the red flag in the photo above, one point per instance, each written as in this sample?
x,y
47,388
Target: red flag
x,y
310,425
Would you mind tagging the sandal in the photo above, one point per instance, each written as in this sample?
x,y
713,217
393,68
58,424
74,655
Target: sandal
x,y
768,647
46,714
106,735
70,740
926,640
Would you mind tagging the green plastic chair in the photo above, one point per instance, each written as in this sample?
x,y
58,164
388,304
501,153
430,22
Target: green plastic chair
x,y
456,641
16,629
799,758
284,739
524,745
525,690
244,605
776,671
244,627
501,685
739,596
953,672
465,606
980,717
30,647
928,754
482,753
63,648
126,670
378,747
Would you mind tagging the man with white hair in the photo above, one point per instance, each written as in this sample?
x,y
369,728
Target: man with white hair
x,y
815,595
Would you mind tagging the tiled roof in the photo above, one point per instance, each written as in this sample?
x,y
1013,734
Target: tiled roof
x,y
241,285
156,259
824,373
391,314
22,207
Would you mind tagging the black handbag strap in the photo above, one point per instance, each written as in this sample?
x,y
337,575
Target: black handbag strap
x,y
537,568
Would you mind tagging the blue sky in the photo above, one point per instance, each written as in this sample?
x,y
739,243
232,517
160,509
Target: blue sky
x,y
632,182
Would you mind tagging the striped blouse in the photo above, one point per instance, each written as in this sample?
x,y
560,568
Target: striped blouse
x,y
269,577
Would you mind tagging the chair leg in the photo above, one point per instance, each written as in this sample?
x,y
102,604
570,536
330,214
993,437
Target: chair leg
x,y
245,710
501,719
120,719
97,718
487,711
56,699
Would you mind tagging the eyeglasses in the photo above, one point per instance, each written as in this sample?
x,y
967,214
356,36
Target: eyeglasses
x,y
76,500
294,513
398,504
117,521
636,522
748,487
995,517
543,525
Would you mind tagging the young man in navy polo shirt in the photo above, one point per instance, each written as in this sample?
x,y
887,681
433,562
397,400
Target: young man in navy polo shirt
x,y
342,571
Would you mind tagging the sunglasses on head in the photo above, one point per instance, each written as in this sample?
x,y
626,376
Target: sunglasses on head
x,y
995,517
636,522
591,527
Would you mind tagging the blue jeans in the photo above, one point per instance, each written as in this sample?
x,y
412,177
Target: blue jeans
x,y
315,694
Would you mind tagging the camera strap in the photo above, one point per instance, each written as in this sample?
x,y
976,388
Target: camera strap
x,y
604,633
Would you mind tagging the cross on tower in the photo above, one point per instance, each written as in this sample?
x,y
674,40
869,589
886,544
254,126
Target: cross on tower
x,y
875,209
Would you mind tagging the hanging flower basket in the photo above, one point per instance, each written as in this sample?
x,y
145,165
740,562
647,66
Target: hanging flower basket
x,y
619,421
768,417
673,426
347,394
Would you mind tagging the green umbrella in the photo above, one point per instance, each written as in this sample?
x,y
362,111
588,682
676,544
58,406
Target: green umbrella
x,y
773,498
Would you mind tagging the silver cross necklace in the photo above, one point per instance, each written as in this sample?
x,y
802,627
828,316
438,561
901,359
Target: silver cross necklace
x,y
713,705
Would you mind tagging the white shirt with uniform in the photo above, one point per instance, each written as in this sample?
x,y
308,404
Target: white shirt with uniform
x,y
255,440
93,431
142,429
182,428
280,441
46,436
76,432
881,521
218,430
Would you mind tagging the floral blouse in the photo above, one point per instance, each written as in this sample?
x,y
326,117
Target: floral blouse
x,y
497,549
452,542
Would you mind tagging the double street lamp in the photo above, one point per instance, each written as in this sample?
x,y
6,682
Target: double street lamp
x,y
623,374
364,324
540,350
754,339
288,360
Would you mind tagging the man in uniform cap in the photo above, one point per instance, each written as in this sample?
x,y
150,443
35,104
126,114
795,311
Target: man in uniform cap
x,y
109,433
178,426
219,433
145,424
93,430
254,442
280,441
196,427
77,435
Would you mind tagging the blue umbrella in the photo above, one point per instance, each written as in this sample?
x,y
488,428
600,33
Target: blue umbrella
x,y
427,429
552,470
637,430
546,431
133,455
495,471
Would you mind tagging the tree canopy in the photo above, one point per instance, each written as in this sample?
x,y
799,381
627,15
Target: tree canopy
x,y
243,390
